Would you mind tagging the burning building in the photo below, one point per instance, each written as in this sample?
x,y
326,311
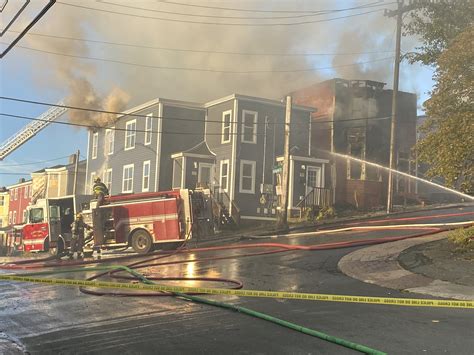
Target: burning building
x,y
353,119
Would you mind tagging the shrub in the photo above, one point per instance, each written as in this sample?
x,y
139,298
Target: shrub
x,y
326,212
463,238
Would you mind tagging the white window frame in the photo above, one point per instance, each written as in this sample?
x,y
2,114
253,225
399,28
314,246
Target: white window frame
x,y
222,162
148,128
109,140
254,126
147,188
254,168
107,181
14,217
16,194
224,127
31,191
131,134
10,217
127,167
95,144
2,201
25,191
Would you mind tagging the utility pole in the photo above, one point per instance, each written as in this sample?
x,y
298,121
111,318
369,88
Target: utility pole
x,y
76,167
401,9
393,125
285,181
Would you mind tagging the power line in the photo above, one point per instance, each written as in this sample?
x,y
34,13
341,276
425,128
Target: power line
x,y
219,23
300,15
123,114
33,163
257,10
206,51
204,69
176,132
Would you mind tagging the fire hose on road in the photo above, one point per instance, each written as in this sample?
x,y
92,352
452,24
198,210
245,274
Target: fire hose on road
x,y
276,248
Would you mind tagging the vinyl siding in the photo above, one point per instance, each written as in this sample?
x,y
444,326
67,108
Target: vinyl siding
x,y
192,134
121,157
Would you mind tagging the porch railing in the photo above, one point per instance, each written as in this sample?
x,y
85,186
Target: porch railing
x,y
317,197
227,206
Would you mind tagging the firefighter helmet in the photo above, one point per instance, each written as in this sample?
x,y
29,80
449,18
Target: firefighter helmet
x,y
79,216
97,179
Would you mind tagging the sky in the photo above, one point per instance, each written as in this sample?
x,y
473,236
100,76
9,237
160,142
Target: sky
x,y
117,54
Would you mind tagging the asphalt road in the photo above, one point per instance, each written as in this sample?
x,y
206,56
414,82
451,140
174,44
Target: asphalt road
x,y
53,319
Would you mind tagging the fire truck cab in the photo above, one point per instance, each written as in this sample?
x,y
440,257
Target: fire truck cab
x,y
48,223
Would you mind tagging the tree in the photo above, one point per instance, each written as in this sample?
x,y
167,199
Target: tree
x,y
437,23
448,141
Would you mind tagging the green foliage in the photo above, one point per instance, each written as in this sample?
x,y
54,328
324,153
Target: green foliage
x,y
326,212
437,24
447,142
463,238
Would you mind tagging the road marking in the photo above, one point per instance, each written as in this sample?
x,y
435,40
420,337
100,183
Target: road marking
x,y
410,302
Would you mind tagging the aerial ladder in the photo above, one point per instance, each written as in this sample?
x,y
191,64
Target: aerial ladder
x,y
31,129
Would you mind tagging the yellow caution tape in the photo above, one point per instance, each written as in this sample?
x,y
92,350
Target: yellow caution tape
x,y
249,293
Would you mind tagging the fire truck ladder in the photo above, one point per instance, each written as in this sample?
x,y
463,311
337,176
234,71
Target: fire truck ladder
x,y
30,130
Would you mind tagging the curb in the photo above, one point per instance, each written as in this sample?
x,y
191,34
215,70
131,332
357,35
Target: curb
x,y
379,265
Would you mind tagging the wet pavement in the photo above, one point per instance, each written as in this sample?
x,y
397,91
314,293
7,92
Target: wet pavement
x,y
54,319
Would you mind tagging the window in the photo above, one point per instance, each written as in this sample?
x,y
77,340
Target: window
x,y
108,179
10,217
1,223
31,191
249,126
109,141
247,176
226,117
16,194
95,143
148,128
36,215
224,171
14,217
25,214
130,133
146,176
2,201
127,181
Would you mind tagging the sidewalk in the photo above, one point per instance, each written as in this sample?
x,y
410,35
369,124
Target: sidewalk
x,y
426,265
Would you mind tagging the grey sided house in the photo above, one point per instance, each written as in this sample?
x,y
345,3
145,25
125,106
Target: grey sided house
x,y
238,158
133,155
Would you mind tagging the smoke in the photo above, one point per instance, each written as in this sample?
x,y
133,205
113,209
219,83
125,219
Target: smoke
x,y
116,86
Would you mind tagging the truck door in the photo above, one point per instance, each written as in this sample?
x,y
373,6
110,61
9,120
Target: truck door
x,y
54,224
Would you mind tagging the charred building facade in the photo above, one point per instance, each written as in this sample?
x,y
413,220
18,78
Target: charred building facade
x,y
353,119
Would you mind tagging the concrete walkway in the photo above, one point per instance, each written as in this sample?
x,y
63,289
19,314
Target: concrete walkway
x,y
379,265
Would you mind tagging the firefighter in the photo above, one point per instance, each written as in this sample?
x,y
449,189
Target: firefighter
x,y
100,190
77,240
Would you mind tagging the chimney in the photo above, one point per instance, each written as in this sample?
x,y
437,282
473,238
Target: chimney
x,y
21,180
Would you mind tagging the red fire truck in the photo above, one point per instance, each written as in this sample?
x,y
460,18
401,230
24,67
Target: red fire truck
x,y
143,221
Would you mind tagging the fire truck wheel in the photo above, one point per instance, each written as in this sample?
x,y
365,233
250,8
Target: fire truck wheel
x,y
142,242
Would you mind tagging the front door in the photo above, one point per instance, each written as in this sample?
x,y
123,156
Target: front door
x,y
313,179
205,174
